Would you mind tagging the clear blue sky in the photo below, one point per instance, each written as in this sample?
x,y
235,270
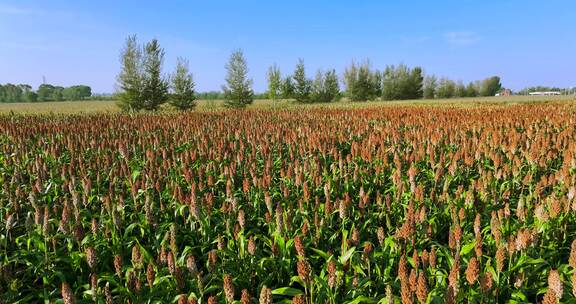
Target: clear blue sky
x,y
526,42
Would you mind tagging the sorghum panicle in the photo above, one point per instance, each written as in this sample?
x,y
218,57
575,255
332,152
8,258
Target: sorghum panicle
x,y
228,288
265,295
422,288
555,283
472,271
67,294
245,297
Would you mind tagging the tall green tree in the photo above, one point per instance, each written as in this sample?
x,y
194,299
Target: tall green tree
x,y
364,88
302,85
331,85
430,84
471,90
351,79
155,85
377,78
83,91
395,82
70,93
130,79
318,89
416,84
11,93
182,97
391,87
141,82
28,95
274,82
238,88
491,86
361,83
325,87
287,88
58,94
446,88
46,92
77,92
402,74
400,82
460,90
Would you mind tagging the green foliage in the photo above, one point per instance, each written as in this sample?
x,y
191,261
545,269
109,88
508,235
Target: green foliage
x,y
130,79
490,86
11,93
325,87
46,92
211,95
287,88
142,85
154,84
415,84
331,85
446,88
238,89
103,97
471,90
401,82
460,90
302,85
182,97
274,82
430,85
78,92
30,96
362,84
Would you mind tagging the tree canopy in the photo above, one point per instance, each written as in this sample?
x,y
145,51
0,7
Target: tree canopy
x,y
238,88
141,82
182,96
46,92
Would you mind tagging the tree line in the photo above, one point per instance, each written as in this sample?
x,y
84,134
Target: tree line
x,y
144,86
363,83
46,92
447,88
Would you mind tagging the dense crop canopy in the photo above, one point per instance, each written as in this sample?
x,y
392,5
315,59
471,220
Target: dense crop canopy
x,y
410,204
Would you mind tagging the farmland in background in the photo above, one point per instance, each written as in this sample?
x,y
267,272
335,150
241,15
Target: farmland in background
x,y
78,107
343,203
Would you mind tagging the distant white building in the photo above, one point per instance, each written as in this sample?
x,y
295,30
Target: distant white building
x,y
551,93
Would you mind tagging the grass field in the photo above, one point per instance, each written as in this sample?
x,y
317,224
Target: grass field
x,y
77,107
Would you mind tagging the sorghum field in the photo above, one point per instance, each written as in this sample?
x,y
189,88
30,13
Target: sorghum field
x,y
320,205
